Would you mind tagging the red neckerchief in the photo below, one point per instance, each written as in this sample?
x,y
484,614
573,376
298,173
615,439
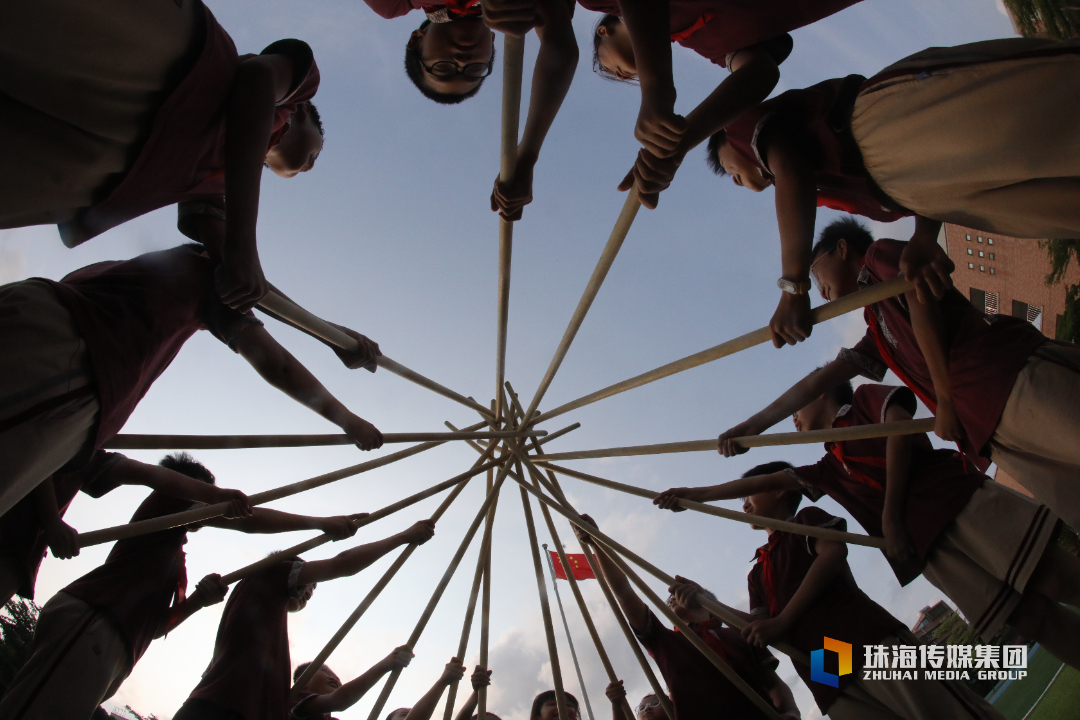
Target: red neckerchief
x,y
464,7
698,24
837,450
762,557
706,631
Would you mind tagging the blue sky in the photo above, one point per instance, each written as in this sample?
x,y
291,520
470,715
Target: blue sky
x,y
391,235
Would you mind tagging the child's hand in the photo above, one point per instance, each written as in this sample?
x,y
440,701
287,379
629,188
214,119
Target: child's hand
x,y
947,425
582,535
615,692
669,499
399,658
925,263
726,445
419,532
453,672
513,17
338,527
510,198
62,539
792,322
364,434
239,504
659,129
211,590
652,175
481,678
240,280
685,592
364,356
765,632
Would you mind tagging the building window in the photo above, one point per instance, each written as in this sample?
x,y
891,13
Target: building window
x,y
981,254
969,251
990,240
982,268
1031,313
991,256
980,238
971,266
991,305
993,271
969,238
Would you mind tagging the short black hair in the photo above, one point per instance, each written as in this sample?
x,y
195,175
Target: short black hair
x,y
712,159
415,70
848,228
794,497
300,670
609,21
184,464
314,113
539,700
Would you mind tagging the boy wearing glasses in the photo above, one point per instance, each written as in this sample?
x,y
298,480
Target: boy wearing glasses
x,y
698,690
801,590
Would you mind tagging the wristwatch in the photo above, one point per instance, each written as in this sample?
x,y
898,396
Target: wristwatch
x,y
801,287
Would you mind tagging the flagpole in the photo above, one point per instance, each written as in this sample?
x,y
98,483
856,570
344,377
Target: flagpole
x,y
566,627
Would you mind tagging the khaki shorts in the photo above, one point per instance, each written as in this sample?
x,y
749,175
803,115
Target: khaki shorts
x,y
985,557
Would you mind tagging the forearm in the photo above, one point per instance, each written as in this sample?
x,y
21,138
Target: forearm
x,y
796,206
743,487
802,393
554,72
188,607
635,610
467,710
349,562
781,696
649,25
928,325
170,482
425,706
827,566
897,476
740,91
926,230
350,693
45,502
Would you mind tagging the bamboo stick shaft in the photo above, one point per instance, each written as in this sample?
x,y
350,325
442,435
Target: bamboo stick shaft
x,y
733,677
391,681
166,522
545,608
858,432
603,265
236,442
828,311
485,608
415,377
797,528
534,443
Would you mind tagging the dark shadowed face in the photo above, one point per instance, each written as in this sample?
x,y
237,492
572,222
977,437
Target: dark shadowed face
x,y
323,682
462,42
550,711
818,415
299,147
743,172
615,53
297,604
836,273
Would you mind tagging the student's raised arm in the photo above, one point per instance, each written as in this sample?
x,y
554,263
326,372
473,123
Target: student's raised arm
x,y
132,472
554,71
928,324
831,560
261,81
925,263
733,490
62,539
795,398
278,367
480,678
636,611
267,521
425,706
898,544
210,591
616,693
781,696
754,74
353,561
350,693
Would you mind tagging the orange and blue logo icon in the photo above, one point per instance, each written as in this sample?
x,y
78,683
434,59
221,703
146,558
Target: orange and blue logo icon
x,y
817,662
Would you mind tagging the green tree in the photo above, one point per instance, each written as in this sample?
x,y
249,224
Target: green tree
x,y
954,630
1054,19
1061,253
17,624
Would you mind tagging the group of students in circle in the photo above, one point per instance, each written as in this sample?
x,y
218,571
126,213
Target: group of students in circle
x,y
114,109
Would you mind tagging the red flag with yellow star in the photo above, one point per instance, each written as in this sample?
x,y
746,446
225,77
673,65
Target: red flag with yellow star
x,y
579,565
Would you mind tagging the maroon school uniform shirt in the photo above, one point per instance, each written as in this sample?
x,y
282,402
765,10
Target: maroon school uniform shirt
x,y
142,579
22,537
183,159
135,316
985,352
715,29
842,611
297,712
853,473
250,671
819,119
698,690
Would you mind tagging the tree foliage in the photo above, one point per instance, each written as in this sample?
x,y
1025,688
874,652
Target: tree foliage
x,y
1054,19
17,625
1061,253
954,630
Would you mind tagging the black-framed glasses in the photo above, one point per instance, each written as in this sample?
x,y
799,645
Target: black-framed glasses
x,y
446,69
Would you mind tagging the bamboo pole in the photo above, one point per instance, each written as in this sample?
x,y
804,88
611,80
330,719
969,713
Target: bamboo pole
x,y
167,522
545,608
856,300
391,681
733,677
513,60
315,325
759,521
858,432
350,622
485,605
534,443
603,265
240,442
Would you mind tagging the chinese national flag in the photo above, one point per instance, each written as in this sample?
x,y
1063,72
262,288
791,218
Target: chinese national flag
x,y
578,564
